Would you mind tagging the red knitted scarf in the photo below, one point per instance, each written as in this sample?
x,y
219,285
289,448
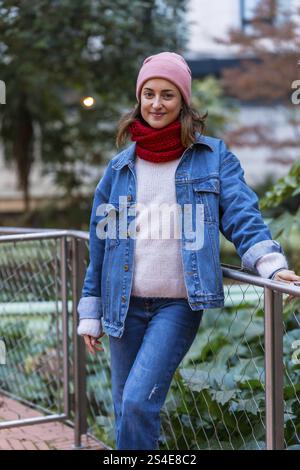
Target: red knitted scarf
x,y
157,145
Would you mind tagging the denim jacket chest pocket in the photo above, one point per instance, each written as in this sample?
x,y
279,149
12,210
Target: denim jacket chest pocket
x,y
207,192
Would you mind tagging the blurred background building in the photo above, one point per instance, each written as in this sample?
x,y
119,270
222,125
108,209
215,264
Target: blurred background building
x,y
208,21
211,20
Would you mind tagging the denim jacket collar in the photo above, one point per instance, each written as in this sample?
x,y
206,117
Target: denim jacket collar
x,y
126,157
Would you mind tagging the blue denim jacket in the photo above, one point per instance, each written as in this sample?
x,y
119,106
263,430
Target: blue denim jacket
x,y
209,175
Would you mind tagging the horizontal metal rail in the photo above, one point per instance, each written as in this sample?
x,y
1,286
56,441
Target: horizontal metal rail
x,y
234,273
30,421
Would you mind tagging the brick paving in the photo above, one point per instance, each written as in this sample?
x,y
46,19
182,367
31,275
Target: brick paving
x,y
45,436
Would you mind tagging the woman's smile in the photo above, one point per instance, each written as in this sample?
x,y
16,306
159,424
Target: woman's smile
x,y
158,115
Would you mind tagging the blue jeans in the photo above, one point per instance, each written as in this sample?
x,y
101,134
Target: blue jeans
x,y
158,333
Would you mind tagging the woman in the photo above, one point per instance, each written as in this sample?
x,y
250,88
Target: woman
x,y
150,292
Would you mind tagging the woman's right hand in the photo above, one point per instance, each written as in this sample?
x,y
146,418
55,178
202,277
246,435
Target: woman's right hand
x,y
92,343
91,330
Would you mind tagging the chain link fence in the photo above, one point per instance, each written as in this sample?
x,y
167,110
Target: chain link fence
x,y
237,387
30,312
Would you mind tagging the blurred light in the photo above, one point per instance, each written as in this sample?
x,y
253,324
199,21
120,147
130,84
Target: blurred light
x,y
88,101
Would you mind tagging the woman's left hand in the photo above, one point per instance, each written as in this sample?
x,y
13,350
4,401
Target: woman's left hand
x,y
286,275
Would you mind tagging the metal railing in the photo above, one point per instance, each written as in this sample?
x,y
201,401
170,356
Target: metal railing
x,y
52,265
222,391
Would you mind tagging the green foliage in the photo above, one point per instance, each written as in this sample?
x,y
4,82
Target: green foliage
x,y
284,188
31,369
208,96
282,202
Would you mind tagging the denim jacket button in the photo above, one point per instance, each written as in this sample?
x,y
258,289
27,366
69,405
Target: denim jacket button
x,y
129,197
123,298
126,267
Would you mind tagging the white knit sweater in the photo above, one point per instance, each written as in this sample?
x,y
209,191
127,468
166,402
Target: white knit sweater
x,y
158,270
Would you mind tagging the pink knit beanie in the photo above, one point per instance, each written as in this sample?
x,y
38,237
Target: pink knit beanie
x,y
170,66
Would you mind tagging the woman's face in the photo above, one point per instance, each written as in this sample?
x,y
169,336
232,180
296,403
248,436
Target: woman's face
x,y
160,102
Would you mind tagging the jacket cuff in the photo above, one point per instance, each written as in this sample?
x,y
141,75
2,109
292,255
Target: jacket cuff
x,y
255,252
275,272
89,326
269,264
90,307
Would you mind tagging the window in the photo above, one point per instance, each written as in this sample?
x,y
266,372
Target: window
x,y
274,14
248,13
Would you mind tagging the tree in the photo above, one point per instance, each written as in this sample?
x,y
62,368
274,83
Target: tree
x,y
52,54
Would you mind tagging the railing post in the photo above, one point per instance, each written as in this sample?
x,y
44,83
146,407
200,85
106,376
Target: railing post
x,y
274,369
80,399
65,319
